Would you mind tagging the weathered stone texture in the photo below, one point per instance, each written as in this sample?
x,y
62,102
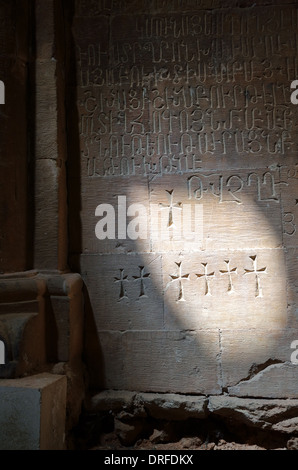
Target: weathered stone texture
x,y
185,108
177,360
33,411
50,227
265,414
275,416
277,380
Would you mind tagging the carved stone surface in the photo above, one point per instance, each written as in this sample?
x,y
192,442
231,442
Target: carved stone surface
x,y
188,137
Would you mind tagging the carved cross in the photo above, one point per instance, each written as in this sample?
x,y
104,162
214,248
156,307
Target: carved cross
x,y
229,272
180,278
142,277
122,279
171,206
207,278
256,272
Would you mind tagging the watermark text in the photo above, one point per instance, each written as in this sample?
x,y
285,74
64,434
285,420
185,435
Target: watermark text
x,y
2,92
172,221
294,355
294,94
2,353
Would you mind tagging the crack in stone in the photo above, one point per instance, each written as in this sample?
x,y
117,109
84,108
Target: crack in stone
x,y
219,363
258,368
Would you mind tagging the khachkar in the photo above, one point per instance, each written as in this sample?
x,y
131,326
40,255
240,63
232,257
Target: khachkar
x,y
189,197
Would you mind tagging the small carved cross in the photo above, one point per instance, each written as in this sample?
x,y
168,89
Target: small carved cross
x,y
207,278
171,206
180,278
122,279
142,277
229,272
256,272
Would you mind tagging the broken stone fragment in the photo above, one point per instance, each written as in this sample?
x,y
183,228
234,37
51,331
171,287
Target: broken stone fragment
x,y
268,414
292,443
128,432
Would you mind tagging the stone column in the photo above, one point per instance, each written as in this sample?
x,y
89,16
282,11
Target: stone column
x,y
50,235
41,307
64,289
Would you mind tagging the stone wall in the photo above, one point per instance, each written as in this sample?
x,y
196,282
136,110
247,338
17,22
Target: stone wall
x,y
148,202
181,114
41,303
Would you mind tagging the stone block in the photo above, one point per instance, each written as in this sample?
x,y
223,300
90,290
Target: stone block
x,y
238,208
170,406
46,242
225,289
32,413
45,18
292,286
124,227
260,413
66,301
165,406
255,357
125,291
275,381
289,199
111,400
161,361
47,124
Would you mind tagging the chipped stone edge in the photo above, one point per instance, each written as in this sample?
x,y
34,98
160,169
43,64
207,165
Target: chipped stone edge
x,y
264,413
